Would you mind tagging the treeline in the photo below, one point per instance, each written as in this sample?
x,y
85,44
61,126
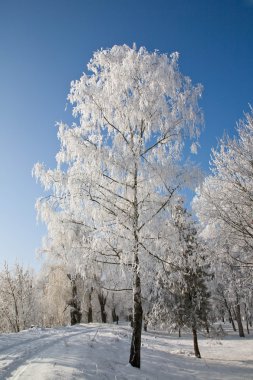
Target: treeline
x,y
54,297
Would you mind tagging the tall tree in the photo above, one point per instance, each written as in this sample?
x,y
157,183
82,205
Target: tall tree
x,y
119,168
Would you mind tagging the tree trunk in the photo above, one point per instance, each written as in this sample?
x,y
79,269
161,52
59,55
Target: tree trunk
x,y
114,315
195,343
75,304
179,332
250,320
247,317
135,351
102,301
229,313
239,320
247,324
233,324
90,316
234,312
16,316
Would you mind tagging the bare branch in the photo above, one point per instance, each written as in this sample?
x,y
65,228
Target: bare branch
x,y
118,290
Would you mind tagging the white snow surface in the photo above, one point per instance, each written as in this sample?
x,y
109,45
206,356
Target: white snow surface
x,y
101,351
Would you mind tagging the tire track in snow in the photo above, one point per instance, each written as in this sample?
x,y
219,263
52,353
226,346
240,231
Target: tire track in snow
x,y
28,350
21,343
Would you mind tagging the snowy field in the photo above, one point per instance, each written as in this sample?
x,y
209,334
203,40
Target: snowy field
x,y
97,351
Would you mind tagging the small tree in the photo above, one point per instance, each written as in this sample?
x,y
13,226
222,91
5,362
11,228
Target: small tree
x,y
17,298
53,292
183,298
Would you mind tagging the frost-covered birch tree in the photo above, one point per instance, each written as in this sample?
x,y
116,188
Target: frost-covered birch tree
x,y
120,165
224,203
18,304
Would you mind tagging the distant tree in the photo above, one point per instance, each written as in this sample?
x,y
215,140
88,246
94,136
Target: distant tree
x,y
233,286
221,304
53,291
17,298
120,167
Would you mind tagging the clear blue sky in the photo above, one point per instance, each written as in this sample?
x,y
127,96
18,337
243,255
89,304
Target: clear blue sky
x,y
44,44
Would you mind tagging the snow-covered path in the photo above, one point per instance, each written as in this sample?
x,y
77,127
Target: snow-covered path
x,y
101,352
21,354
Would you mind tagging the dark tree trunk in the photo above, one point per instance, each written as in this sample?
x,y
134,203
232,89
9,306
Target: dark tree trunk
x,y
247,324
239,320
205,320
74,303
75,316
16,323
179,332
90,315
130,318
135,351
17,326
145,323
232,322
247,317
103,315
195,343
102,301
229,313
114,315
234,312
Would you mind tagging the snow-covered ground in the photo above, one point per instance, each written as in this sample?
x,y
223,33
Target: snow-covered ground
x,y
97,351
